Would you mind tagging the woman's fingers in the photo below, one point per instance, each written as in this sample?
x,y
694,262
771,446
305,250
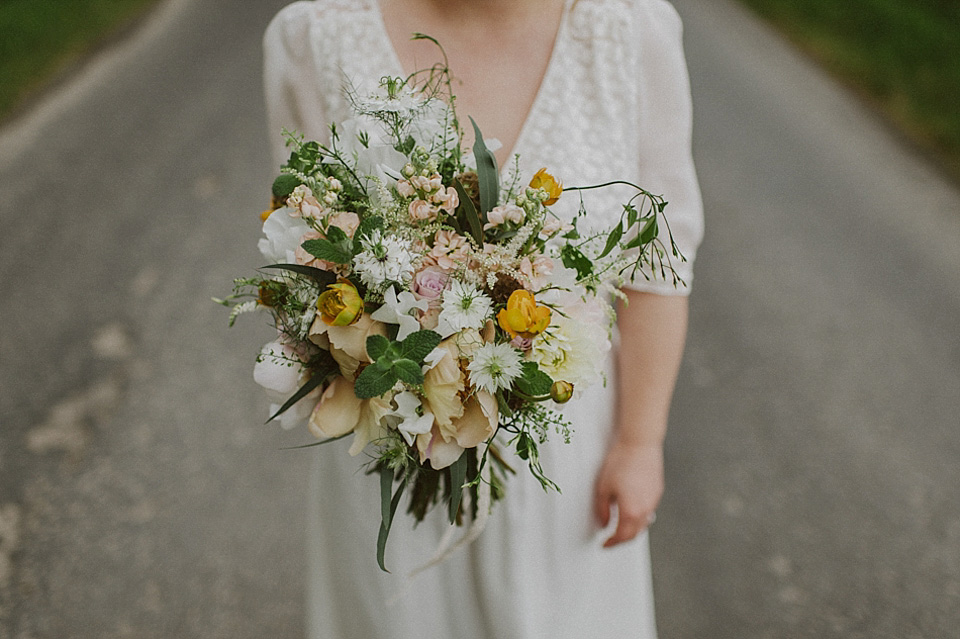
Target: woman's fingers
x,y
601,506
630,523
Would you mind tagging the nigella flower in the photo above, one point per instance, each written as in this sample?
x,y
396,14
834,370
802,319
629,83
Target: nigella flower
x,y
383,260
463,307
495,366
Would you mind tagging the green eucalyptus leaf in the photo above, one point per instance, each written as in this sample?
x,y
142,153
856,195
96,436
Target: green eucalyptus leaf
x,y
418,345
487,174
321,277
458,476
388,508
632,214
375,380
320,443
408,371
469,213
321,370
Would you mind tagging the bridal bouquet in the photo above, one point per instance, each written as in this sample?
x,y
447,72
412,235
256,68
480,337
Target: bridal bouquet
x,y
436,314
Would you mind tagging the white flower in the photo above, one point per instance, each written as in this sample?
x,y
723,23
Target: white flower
x,y
463,307
383,260
279,371
283,234
574,347
397,309
404,102
495,366
416,419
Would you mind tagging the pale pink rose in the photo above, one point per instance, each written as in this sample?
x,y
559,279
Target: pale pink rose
x,y
346,221
429,283
405,189
422,210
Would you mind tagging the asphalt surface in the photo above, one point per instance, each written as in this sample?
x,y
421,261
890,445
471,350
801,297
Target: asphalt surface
x,y
812,457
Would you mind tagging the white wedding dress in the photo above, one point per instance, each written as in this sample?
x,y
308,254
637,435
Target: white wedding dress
x,y
614,104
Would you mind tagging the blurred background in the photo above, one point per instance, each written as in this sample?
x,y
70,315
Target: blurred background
x,y
815,436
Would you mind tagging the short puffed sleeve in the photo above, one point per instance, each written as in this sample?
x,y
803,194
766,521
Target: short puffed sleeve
x,y
292,91
665,120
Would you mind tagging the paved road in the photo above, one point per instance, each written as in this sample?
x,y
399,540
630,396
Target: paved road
x,y
813,455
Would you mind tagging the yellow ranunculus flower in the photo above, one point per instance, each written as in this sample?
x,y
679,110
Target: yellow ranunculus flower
x,y
553,187
340,304
523,317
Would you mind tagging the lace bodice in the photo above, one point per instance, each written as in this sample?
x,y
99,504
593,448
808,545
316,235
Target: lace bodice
x,y
614,102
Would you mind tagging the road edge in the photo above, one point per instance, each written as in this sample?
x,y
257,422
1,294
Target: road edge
x,y
21,130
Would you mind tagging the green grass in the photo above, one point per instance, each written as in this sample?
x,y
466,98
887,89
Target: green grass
x,y
904,55
39,38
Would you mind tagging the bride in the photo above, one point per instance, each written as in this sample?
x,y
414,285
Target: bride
x,y
595,90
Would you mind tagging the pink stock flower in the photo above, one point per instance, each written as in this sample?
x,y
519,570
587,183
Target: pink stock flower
x,y
346,221
447,200
449,250
504,213
311,207
422,210
536,270
405,189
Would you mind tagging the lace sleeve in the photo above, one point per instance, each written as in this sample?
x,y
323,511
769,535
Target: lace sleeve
x,y
666,123
293,95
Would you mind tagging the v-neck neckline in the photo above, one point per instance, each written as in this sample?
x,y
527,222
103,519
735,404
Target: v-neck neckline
x,y
549,72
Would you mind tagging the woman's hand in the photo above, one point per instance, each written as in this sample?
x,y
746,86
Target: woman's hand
x,y
631,478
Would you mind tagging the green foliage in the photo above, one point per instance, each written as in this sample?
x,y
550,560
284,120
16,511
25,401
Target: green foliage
x,y
458,476
533,382
901,53
468,212
322,367
574,258
489,178
284,185
323,249
388,508
393,362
